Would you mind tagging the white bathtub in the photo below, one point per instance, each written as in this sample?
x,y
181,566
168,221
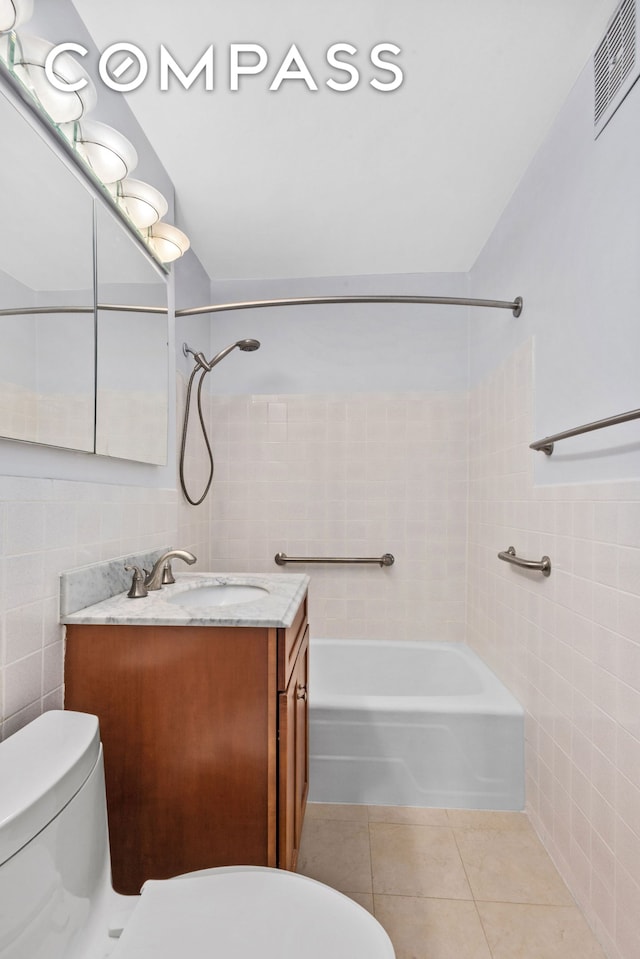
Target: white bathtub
x,y
412,724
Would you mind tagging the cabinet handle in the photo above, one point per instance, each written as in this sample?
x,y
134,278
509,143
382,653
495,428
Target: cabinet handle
x,y
302,691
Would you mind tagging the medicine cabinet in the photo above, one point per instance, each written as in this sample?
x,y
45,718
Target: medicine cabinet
x,y
74,375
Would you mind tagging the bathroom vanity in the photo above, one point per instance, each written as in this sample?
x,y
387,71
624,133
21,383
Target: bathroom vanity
x,y
203,714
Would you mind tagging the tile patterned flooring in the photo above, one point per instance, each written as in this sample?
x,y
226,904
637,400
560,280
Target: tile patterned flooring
x,y
448,884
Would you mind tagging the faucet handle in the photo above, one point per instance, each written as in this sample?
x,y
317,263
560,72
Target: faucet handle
x,y
167,574
138,588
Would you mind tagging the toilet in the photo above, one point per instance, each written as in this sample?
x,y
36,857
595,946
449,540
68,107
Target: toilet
x,y
56,899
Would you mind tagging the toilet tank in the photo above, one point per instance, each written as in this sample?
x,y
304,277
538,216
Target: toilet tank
x,y
55,884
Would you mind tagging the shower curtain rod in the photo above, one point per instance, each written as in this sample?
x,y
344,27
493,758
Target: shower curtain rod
x,y
113,307
514,305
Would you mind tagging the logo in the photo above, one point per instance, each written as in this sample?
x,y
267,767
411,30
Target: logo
x,y
125,67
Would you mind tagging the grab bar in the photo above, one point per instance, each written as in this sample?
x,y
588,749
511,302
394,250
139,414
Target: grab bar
x,y
546,445
543,565
386,560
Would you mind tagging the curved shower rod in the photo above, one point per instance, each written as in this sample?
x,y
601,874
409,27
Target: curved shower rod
x,y
113,307
514,305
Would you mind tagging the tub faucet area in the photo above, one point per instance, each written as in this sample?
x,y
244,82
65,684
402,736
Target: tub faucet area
x,y
161,572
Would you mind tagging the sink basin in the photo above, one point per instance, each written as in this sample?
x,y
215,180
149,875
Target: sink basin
x,y
219,594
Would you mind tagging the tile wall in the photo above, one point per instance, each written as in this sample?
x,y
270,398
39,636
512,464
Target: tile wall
x,y
47,526
567,646
349,475
365,474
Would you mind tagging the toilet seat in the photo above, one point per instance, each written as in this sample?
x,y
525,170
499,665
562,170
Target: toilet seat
x,y
245,912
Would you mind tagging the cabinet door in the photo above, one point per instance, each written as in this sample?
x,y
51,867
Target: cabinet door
x,y
293,742
188,722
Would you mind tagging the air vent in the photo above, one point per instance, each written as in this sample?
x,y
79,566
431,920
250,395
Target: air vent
x,y
616,63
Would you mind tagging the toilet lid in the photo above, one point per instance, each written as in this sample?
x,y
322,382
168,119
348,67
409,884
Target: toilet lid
x,y
244,913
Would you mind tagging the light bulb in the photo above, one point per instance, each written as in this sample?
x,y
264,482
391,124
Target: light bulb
x,y
167,242
143,204
105,150
29,57
13,13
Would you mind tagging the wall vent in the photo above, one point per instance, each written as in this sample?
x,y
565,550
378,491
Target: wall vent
x,y
616,63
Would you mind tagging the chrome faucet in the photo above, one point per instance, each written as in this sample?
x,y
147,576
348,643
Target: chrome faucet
x,y
162,566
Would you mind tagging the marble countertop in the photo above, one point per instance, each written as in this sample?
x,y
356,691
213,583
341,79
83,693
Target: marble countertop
x,y
284,593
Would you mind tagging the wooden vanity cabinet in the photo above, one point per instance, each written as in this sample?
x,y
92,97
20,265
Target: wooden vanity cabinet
x,y
205,739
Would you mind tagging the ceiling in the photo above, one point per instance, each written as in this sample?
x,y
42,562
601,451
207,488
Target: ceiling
x,y
293,183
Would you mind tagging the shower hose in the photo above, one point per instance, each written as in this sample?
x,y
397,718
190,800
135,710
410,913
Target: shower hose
x,y
185,427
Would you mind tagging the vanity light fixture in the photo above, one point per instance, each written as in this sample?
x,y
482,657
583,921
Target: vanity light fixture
x,y
106,151
167,241
13,13
26,56
143,204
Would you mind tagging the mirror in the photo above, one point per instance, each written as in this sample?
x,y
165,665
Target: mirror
x,y
132,349
47,382
71,379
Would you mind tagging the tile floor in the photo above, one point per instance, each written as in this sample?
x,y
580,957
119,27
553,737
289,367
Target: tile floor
x,y
448,884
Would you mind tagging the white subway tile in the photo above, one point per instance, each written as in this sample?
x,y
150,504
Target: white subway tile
x,y
628,528
23,631
23,683
24,528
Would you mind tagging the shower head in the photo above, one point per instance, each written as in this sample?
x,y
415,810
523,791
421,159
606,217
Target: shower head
x,y
246,345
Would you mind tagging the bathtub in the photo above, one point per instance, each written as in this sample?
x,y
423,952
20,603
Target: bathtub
x,y
412,724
